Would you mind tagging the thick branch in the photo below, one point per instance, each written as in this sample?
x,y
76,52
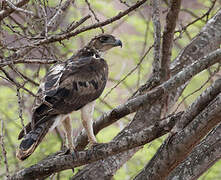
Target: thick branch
x,y
144,115
168,33
101,151
157,37
201,158
202,101
156,93
205,42
105,169
148,98
171,153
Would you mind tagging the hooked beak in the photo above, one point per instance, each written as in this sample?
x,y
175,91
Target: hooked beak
x,y
118,43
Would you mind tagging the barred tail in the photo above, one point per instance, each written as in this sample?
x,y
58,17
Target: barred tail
x,y
33,138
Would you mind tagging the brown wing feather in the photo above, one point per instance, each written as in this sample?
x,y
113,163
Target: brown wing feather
x,y
70,86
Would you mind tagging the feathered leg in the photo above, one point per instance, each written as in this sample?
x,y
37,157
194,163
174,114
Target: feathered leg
x,y
68,132
87,121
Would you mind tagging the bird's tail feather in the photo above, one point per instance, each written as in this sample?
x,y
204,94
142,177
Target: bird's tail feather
x,y
33,137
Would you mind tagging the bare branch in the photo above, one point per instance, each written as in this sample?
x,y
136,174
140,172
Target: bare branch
x,y
7,12
11,5
172,152
59,13
184,28
147,99
28,61
168,33
61,162
11,80
201,102
4,152
157,37
73,26
20,110
201,158
95,16
61,37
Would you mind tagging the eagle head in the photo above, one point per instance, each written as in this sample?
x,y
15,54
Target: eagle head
x,y
104,42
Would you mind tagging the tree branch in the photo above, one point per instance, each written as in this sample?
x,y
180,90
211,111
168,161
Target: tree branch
x,y
8,11
60,37
202,101
157,38
172,152
133,104
167,42
101,151
201,158
147,99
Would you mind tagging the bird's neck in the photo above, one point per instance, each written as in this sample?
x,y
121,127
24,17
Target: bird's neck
x,y
87,51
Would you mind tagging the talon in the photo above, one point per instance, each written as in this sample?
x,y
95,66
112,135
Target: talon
x,y
67,151
94,145
73,153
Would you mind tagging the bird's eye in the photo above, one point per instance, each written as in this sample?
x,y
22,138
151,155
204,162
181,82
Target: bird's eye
x,y
103,39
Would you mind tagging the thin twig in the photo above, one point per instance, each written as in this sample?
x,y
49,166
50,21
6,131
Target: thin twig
x,y
20,110
128,74
74,25
24,77
28,61
58,14
184,28
12,81
60,37
7,12
11,5
95,16
4,152
213,74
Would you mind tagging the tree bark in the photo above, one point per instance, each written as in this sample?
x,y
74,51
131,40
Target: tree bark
x,y
172,152
201,158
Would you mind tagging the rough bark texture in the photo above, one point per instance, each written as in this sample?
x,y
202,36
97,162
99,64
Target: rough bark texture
x,y
198,47
148,98
172,152
205,42
202,101
130,140
168,37
201,158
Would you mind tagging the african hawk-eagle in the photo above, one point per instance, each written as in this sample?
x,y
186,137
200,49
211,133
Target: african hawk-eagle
x,y
68,86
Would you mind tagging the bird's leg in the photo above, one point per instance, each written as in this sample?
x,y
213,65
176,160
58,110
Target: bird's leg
x,y
68,132
87,121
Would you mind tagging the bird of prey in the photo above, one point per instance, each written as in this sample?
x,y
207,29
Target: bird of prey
x,y
68,86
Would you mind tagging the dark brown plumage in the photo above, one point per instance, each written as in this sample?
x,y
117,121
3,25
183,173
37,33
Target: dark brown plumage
x,y
67,87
